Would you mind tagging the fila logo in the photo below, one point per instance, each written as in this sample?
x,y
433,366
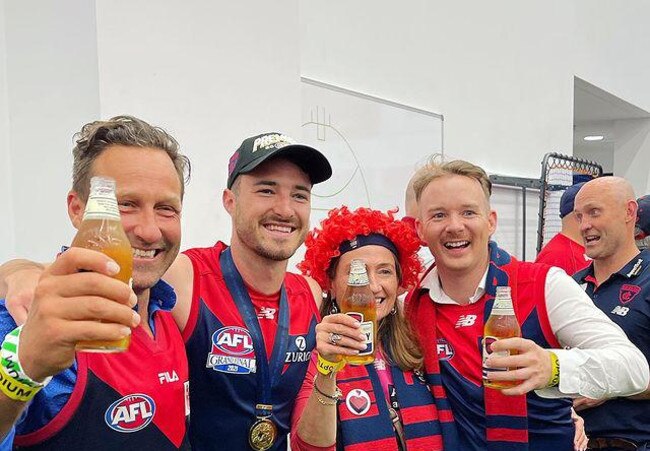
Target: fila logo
x,y
266,313
620,310
465,321
166,377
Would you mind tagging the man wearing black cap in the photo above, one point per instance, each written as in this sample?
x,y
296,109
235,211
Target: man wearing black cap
x,y
247,323
565,250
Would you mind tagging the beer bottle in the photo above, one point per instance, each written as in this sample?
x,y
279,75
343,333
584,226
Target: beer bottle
x,y
101,230
502,323
359,302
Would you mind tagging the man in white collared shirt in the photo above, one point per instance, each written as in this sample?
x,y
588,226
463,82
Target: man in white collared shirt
x,y
563,332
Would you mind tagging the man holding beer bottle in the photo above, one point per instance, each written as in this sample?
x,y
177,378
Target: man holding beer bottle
x,y
454,301
136,399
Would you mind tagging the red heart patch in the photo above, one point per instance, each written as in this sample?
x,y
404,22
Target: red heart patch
x,y
358,403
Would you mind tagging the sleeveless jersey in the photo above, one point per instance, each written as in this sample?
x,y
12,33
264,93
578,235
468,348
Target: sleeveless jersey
x,y
138,399
459,338
625,299
222,358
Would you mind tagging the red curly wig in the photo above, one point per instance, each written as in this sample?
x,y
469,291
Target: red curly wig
x,y
343,225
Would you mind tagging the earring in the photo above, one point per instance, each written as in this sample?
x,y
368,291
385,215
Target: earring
x,y
393,310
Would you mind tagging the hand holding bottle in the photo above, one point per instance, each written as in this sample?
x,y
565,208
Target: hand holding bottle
x,y
67,304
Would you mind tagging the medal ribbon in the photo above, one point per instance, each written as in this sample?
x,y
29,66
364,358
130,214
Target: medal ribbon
x,y
268,374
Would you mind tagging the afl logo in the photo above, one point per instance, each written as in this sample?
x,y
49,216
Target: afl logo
x,y
130,413
233,340
445,349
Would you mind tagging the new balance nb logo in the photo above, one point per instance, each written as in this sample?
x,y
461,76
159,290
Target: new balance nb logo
x,y
465,321
266,313
620,310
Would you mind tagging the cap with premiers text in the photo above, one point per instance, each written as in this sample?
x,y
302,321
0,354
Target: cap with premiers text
x,y
258,149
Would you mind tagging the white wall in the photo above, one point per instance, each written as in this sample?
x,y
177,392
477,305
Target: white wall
x,y
6,200
611,42
211,73
499,72
632,155
51,66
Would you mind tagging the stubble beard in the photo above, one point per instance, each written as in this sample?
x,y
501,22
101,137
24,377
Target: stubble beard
x,y
249,237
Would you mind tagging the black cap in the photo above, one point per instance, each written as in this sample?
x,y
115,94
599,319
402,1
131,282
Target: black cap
x,y
257,149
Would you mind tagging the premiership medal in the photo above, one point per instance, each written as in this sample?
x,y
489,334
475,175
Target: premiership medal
x,y
262,434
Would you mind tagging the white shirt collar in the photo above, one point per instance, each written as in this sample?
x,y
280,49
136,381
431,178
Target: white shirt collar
x,y
437,294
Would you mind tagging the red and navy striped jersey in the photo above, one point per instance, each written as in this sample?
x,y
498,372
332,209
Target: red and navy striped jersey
x,y
138,399
222,358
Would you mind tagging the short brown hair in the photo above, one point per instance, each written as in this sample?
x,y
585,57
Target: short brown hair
x,y
436,168
97,136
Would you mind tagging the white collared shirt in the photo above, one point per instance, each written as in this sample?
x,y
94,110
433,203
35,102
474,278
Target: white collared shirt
x,y
598,360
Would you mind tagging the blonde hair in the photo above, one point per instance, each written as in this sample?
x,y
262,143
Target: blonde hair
x,y
436,168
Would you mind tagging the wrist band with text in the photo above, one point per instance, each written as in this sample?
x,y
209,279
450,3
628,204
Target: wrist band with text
x,y
14,389
325,367
10,362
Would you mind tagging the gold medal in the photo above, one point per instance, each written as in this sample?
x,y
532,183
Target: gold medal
x,y
262,434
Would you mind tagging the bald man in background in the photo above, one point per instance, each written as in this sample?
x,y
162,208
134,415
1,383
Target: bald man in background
x,y
565,250
618,281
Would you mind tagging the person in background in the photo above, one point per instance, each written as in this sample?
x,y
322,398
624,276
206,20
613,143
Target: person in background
x,y
411,212
565,250
568,346
642,229
385,405
618,282
132,400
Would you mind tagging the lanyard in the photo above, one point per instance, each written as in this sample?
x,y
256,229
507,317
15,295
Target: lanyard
x,y
268,374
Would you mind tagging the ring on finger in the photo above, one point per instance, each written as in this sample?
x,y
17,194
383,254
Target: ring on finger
x,y
334,338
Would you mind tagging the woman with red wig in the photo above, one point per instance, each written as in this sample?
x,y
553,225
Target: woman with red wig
x,y
385,405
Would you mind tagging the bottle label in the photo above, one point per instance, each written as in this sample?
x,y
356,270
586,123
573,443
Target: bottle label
x,y
502,307
100,207
487,351
358,280
368,329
